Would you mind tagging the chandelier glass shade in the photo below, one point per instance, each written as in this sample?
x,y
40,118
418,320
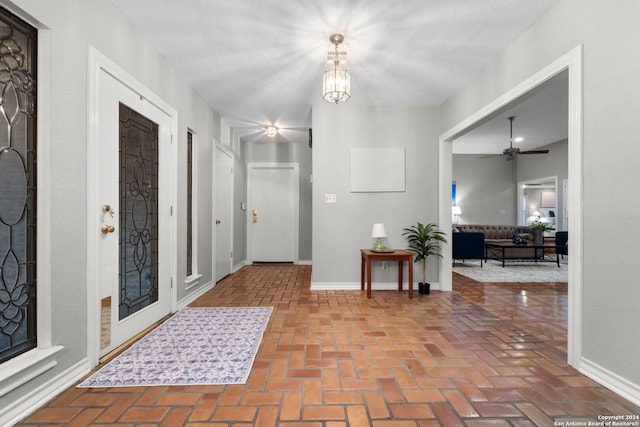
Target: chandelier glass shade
x,y
336,83
271,131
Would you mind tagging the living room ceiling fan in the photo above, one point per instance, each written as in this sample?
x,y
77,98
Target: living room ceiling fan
x,y
512,151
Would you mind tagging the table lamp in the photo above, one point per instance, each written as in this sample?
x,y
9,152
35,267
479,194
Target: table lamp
x,y
378,232
456,211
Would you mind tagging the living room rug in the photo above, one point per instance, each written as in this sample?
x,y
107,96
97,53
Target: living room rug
x,y
513,271
196,346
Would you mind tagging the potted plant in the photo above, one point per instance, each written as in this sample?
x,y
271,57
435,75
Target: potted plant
x,y
424,240
537,228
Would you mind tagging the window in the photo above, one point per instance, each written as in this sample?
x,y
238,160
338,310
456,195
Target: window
x,y
189,203
192,205
18,59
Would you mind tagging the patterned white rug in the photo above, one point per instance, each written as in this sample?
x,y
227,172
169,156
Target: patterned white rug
x,y
513,271
205,346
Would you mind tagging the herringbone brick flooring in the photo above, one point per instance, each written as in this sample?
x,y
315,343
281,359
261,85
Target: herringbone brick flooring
x,y
483,355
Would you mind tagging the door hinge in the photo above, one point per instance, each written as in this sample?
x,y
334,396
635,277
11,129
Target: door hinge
x,y
171,282
171,210
171,138
231,255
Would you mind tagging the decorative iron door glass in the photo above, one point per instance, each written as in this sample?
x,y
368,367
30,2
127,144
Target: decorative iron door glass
x,y
17,187
138,212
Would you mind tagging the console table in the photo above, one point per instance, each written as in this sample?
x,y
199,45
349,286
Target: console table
x,y
399,255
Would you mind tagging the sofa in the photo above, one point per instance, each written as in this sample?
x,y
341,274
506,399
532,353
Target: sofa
x,y
492,233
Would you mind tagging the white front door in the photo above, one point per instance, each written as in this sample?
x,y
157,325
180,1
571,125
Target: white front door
x,y
273,212
133,243
223,186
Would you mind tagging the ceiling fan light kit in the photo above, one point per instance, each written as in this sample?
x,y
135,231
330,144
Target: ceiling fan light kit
x,y
336,83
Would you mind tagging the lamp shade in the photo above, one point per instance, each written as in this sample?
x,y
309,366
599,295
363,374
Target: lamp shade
x,y
455,210
378,231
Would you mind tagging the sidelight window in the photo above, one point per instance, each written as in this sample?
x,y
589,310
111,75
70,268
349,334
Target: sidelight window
x,y
18,57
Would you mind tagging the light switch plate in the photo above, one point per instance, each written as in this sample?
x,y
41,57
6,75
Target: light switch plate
x,y
330,198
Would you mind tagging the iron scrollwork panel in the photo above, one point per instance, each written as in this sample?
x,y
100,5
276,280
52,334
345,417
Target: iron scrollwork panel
x,y
138,277
18,42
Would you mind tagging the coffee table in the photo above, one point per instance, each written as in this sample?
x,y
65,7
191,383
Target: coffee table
x,y
501,247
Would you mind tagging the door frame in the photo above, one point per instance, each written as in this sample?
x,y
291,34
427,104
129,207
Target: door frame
x,y
520,209
296,202
98,63
572,63
225,151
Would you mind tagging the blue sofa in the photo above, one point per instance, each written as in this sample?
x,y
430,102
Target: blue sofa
x,y
468,245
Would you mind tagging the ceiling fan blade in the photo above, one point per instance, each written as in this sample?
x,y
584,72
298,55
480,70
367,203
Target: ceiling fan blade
x,y
535,152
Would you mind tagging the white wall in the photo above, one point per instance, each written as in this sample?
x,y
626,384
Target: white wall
x,y
75,25
485,189
340,230
553,164
239,196
610,37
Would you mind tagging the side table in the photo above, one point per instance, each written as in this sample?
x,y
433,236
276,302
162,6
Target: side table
x,y
399,255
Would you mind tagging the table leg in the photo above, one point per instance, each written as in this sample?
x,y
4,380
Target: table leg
x,y
368,278
410,276
400,275
362,261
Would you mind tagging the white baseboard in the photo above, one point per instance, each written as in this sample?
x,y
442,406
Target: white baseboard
x,y
27,404
239,266
195,295
355,286
610,380
243,263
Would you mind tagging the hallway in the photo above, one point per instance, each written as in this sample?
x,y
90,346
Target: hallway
x,y
483,355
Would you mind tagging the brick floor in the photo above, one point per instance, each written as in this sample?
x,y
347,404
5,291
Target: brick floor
x,y
483,355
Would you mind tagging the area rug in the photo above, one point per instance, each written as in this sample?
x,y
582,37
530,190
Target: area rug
x,y
513,271
196,346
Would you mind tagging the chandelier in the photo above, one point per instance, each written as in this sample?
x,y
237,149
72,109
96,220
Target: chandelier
x,y
336,84
271,131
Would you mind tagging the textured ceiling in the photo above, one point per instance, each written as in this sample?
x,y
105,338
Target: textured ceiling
x,y
260,62
541,118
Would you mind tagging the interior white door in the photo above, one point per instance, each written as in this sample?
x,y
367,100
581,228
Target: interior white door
x,y
273,212
223,198
134,188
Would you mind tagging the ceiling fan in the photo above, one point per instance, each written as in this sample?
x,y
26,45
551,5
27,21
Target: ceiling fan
x,y
512,151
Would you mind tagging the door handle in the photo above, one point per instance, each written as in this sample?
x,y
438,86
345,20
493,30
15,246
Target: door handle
x,y
106,229
218,221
